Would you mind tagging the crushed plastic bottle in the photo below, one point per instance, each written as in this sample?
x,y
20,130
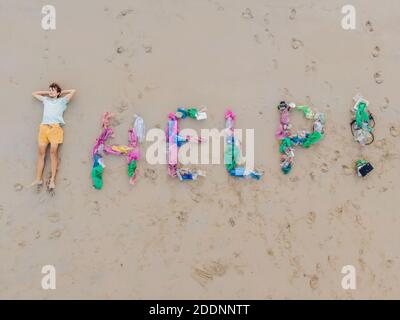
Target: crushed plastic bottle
x,y
139,128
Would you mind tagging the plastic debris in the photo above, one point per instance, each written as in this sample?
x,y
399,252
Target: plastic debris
x,y
193,113
140,128
232,151
363,167
288,139
130,151
175,141
363,124
187,174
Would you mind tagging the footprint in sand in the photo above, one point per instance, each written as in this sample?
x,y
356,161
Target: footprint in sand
x,y
387,100
378,77
53,217
196,196
67,183
247,14
95,208
148,49
46,54
293,13
115,122
257,39
324,167
362,262
62,60
394,132
381,144
355,205
386,104
18,187
329,85
1,211
347,170
358,221
338,212
123,107
269,33
311,217
218,5
207,273
150,174
332,261
55,234
296,43
120,50
389,263
369,26
124,13
286,92
182,216
337,155
22,244
309,101
311,67
13,81
266,18
376,52
232,222
314,282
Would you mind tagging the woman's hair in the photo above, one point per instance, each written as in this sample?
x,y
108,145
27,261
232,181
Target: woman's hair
x,y
56,87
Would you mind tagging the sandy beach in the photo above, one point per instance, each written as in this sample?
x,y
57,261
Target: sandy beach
x,y
283,237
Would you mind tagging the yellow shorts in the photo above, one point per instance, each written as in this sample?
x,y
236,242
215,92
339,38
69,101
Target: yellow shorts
x,y
51,133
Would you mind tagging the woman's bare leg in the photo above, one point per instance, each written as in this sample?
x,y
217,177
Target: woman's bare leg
x,y
40,164
54,164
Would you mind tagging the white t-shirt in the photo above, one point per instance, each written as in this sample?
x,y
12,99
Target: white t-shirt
x,y
53,110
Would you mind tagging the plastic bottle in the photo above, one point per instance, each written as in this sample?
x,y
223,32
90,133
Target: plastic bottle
x,y
139,128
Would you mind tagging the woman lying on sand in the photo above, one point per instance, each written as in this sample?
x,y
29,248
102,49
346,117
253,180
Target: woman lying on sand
x,y
50,131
